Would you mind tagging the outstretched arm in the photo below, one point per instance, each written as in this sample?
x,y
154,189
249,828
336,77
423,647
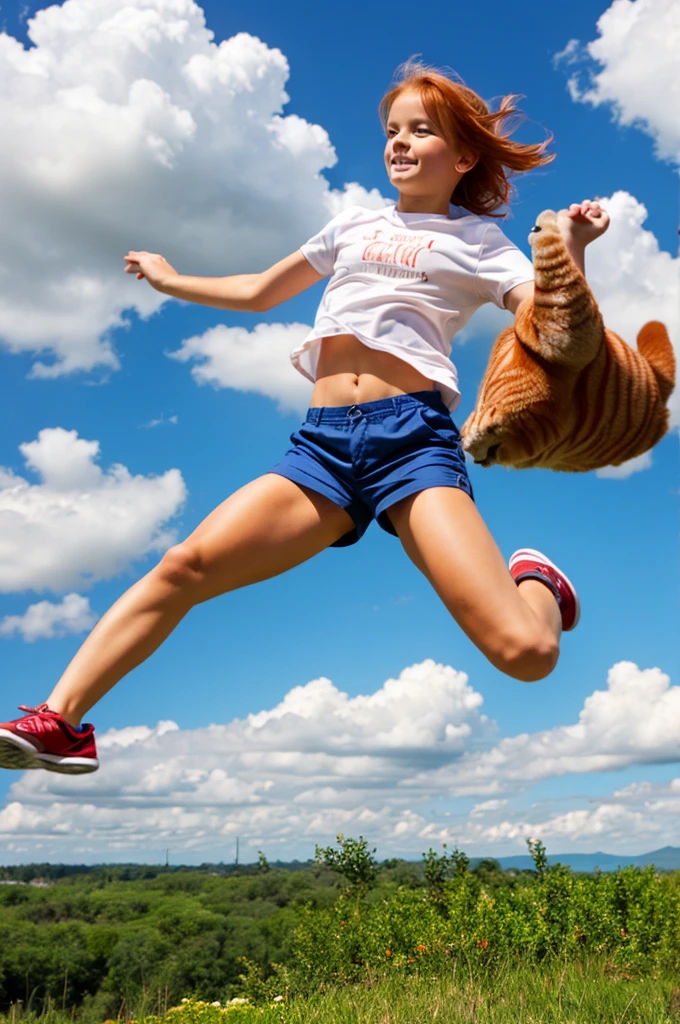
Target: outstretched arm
x,y
246,293
579,225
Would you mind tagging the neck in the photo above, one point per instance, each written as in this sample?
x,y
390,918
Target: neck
x,y
423,204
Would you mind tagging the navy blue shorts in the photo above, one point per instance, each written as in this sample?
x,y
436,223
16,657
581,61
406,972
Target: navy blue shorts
x,y
367,457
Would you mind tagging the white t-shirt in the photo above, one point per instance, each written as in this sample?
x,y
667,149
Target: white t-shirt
x,y
405,283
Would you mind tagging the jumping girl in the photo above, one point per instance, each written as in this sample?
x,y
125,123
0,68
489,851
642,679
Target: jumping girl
x,y
378,440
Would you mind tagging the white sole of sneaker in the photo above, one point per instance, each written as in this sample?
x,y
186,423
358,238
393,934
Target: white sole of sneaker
x,y
540,557
20,755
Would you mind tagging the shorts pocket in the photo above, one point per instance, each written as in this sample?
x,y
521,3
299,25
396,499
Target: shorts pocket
x,y
441,424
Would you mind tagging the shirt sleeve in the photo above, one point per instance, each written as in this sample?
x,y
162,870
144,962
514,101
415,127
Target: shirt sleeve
x,y
501,266
321,249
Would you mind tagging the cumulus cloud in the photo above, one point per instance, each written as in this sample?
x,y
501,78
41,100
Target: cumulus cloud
x,y
382,764
642,813
126,126
633,66
605,825
46,620
257,360
318,762
636,720
79,524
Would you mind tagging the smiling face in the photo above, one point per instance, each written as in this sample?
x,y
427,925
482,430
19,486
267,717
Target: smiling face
x,y
420,162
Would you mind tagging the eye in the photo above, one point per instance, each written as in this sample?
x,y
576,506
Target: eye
x,y
535,229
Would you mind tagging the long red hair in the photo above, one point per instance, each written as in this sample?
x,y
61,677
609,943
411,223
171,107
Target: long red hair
x,y
465,119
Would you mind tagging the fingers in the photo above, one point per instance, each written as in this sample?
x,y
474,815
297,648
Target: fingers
x,y
133,263
138,261
588,208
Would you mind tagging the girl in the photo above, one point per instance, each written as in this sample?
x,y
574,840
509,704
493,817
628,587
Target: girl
x,y
378,440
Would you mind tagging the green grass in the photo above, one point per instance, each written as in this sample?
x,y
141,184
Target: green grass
x,y
586,993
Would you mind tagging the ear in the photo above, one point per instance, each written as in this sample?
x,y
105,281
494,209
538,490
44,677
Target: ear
x,y
465,162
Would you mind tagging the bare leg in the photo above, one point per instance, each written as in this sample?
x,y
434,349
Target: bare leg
x,y
517,628
267,527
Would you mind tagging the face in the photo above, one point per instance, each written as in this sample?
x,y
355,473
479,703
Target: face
x,y
419,160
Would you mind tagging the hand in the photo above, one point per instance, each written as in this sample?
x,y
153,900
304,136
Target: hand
x,y
151,266
583,222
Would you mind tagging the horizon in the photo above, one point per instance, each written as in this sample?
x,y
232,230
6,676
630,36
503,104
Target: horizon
x,y
311,860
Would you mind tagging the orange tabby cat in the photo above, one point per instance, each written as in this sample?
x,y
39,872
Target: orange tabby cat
x,y
561,391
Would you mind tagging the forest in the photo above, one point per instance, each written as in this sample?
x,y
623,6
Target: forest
x,y
115,942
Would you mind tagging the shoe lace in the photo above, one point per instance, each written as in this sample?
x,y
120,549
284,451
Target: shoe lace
x,y
40,710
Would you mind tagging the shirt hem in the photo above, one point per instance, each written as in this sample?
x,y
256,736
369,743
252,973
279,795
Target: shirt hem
x,y
446,385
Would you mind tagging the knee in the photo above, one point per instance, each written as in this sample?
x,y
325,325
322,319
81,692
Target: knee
x,y
527,657
180,566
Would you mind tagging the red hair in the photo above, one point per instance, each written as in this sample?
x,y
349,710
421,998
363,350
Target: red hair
x,y
464,119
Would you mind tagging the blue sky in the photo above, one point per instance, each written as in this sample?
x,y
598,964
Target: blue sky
x,y
221,198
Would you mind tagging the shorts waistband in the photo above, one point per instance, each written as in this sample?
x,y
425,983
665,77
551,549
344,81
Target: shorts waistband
x,y
374,411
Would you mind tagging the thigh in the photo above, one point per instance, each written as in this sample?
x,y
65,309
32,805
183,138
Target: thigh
x,y
447,539
260,531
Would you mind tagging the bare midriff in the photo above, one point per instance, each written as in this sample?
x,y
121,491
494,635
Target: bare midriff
x,y
350,372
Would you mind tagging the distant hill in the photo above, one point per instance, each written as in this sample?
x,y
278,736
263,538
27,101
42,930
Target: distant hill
x,y
665,859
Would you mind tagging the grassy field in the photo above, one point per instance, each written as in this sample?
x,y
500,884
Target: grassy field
x,y
587,993
379,944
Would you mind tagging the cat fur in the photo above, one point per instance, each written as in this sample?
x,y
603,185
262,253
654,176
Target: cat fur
x,y
561,391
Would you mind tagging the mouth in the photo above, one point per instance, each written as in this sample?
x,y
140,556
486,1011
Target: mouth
x,y
399,163
490,457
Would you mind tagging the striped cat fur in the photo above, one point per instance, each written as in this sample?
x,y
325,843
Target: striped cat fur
x,y
560,390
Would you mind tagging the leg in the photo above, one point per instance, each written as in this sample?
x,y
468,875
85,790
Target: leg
x,y
516,627
267,527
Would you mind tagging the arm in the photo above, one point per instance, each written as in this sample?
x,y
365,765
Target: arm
x,y
580,225
251,293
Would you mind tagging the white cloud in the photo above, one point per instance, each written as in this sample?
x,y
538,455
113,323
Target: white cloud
x,y
636,720
161,421
318,762
607,826
381,764
46,620
633,66
125,126
626,469
487,806
80,524
257,360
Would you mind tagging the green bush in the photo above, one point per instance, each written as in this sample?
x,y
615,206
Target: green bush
x,y
97,948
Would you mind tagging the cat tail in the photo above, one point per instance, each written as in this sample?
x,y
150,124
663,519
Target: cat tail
x,y
654,344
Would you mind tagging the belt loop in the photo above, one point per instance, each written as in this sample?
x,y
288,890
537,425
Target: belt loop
x,y
314,415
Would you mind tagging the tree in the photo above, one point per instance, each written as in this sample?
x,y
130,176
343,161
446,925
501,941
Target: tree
x,y
354,861
262,862
449,865
539,856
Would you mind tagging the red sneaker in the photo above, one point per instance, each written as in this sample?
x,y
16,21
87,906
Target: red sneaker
x,y
42,739
527,564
